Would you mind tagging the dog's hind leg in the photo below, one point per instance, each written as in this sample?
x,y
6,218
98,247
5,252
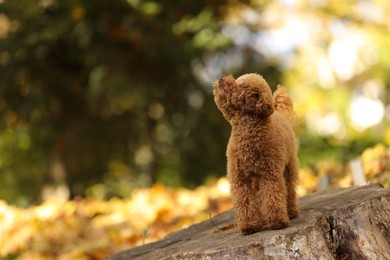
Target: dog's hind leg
x,y
291,179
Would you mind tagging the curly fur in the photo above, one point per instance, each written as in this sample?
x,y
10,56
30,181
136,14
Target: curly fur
x,y
262,162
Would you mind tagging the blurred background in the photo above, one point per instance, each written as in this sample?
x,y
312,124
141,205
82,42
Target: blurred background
x,y
109,135
100,97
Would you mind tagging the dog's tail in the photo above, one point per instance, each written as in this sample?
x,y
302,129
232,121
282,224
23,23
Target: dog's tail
x,y
283,104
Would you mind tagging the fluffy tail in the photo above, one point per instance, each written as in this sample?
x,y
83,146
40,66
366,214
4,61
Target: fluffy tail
x,y
283,104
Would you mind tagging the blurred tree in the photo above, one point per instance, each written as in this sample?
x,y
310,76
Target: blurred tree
x,y
90,85
114,92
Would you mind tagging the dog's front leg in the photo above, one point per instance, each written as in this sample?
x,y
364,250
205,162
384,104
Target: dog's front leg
x,y
274,205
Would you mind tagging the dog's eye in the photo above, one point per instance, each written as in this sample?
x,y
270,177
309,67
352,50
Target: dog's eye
x,y
255,95
242,86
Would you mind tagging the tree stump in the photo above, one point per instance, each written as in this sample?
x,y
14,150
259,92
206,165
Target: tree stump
x,y
352,223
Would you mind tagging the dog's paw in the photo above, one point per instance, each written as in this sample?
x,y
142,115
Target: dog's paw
x,y
278,224
293,213
248,231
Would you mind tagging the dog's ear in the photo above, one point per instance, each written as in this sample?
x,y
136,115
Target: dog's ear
x,y
265,104
265,109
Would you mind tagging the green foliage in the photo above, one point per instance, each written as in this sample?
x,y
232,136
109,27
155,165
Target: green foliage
x,y
92,83
105,96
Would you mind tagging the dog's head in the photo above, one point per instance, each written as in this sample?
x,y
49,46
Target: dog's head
x,y
246,95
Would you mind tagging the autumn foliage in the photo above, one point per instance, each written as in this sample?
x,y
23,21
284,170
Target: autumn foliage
x,y
93,229
87,228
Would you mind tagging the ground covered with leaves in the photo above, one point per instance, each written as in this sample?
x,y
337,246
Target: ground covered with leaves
x,y
93,229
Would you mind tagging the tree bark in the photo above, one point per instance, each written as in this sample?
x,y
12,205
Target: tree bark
x,y
352,223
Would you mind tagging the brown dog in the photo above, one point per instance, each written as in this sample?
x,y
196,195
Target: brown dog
x,y
262,160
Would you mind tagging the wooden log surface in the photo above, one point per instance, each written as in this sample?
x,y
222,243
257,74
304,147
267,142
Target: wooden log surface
x,y
345,223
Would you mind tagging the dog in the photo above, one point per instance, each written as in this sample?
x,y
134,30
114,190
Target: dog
x,y
262,163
